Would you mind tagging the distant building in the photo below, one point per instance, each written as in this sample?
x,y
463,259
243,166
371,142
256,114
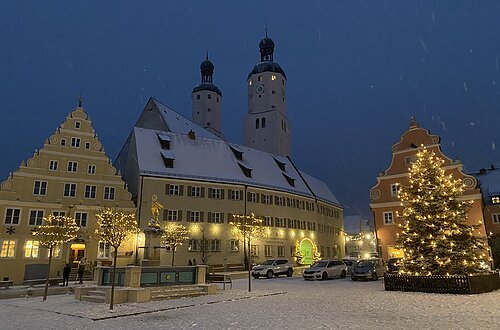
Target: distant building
x,y
489,182
385,204
360,241
71,175
202,180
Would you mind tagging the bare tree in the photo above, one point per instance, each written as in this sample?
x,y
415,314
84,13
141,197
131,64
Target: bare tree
x,y
54,231
174,235
115,227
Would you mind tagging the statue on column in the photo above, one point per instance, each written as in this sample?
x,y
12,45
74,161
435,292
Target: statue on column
x,y
154,223
153,234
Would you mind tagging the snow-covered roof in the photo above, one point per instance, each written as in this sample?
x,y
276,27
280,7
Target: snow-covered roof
x,y
490,182
176,123
212,159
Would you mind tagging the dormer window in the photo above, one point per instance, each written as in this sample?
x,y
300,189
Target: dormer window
x,y
237,153
164,141
246,170
291,181
168,158
280,164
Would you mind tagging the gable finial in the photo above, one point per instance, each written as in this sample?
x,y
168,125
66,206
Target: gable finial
x,y
266,28
206,55
80,99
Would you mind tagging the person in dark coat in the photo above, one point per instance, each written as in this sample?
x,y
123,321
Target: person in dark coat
x,y
190,263
81,269
194,262
66,272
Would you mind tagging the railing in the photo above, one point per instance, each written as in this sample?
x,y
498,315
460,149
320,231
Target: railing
x,y
459,284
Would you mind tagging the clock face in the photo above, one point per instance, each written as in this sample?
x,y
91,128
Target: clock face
x,y
259,89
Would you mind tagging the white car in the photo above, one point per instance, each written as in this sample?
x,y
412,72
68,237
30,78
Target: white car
x,y
325,269
273,267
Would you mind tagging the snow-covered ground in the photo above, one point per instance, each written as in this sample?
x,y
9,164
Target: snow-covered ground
x,y
274,304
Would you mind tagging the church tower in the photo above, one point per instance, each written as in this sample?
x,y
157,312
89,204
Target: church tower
x,y
266,125
207,100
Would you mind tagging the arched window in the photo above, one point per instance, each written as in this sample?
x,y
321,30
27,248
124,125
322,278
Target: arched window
x,y
263,122
257,123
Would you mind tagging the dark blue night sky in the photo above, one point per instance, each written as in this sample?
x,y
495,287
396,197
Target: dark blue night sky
x,y
357,71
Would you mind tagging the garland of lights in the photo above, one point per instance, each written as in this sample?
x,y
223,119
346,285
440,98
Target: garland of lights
x,y
115,226
248,226
55,230
435,237
174,235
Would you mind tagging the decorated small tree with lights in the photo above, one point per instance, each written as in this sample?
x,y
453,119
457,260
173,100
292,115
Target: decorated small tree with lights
x,y
115,227
435,238
54,231
173,236
250,227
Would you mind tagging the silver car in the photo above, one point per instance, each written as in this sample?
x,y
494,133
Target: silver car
x,y
273,267
325,269
369,269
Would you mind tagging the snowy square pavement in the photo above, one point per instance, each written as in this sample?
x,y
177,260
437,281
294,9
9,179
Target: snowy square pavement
x,y
277,303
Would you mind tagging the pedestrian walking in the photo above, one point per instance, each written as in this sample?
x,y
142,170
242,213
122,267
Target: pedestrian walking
x,y
194,262
190,263
66,272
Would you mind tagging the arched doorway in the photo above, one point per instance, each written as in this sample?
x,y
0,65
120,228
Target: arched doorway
x,y
306,251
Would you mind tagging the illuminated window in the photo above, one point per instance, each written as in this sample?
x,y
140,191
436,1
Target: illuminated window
x,y
495,200
8,249
36,217
259,78
104,250
388,218
268,249
31,249
273,77
254,251
496,218
234,245
249,83
56,252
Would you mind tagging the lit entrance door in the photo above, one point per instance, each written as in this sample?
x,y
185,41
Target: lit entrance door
x,y
306,250
77,252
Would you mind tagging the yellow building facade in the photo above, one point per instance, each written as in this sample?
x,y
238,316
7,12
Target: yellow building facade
x,y
70,175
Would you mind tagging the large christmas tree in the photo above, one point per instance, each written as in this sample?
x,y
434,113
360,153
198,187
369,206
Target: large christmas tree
x,y
436,238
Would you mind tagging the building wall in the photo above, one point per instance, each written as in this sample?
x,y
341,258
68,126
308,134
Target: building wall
x,y
327,219
207,110
384,201
18,192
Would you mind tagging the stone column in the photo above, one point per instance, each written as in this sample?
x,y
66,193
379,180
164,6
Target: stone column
x,y
201,272
133,276
153,247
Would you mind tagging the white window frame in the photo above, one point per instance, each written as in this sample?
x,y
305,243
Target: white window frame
x,y
254,250
10,251
71,192
91,169
388,218
215,217
194,216
394,189
87,145
173,190
215,245
58,213
78,125
268,221
41,190
72,166
495,218
79,216
216,193
38,219
75,142
56,252
34,249
267,199
53,165
268,250
90,191
281,251
195,191
234,245
109,193
11,219
253,197
172,215
235,195
103,250
193,245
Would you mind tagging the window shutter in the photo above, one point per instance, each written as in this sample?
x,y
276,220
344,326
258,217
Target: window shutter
x,y
248,196
189,191
202,191
181,188
222,193
210,192
209,219
276,200
229,217
262,198
179,215
222,217
188,216
241,195
201,216
229,194
271,199
257,198
167,189
165,215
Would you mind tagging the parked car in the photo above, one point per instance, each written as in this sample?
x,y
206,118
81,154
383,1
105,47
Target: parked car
x,y
350,263
273,267
394,265
325,269
369,269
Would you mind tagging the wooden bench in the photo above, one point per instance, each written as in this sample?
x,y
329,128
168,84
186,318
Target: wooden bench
x,y
52,281
220,278
6,284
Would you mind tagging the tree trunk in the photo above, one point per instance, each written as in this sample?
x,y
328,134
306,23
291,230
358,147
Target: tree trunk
x,y
249,266
173,255
47,276
113,279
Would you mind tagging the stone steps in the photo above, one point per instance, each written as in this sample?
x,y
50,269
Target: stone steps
x,y
177,292
95,296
